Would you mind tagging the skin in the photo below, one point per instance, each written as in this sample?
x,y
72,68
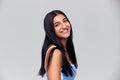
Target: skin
x,y
62,29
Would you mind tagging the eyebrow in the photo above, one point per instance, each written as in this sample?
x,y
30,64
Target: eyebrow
x,y
65,18
62,20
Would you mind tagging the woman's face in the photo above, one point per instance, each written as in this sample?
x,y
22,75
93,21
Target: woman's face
x,y
62,26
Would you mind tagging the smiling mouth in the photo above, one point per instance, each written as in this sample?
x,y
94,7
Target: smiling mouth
x,y
64,31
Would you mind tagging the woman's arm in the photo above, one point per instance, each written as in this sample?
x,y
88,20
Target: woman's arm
x,y
54,69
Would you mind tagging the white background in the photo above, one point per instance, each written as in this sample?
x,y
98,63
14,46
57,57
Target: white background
x,y
96,28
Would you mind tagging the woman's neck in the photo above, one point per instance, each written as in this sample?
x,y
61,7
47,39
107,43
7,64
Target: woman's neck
x,y
64,42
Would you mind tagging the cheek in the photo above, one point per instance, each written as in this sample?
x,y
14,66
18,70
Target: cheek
x,y
56,30
70,27
68,24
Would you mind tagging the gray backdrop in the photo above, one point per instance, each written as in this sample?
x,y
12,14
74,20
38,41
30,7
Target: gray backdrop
x,y
96,27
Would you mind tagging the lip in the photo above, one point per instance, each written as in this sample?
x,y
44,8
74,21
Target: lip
x,y
64,31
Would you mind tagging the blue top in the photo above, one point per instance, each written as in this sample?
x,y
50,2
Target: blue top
x,y
64,77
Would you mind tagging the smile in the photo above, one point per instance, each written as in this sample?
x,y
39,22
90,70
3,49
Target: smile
x,y
64,31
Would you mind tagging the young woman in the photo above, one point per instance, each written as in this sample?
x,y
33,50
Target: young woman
x,y
58,55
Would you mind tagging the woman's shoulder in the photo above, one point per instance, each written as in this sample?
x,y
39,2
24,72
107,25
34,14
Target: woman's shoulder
x,y
50,47
53,48
56,56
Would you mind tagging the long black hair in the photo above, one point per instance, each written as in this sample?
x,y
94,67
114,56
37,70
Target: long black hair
x,y
51,38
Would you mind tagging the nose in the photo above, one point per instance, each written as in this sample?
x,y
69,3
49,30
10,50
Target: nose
x,y
63,25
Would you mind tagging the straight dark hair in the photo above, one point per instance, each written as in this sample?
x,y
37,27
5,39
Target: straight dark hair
x,y
51,38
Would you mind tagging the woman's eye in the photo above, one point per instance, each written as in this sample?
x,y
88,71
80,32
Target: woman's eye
x,y
65,20
57,24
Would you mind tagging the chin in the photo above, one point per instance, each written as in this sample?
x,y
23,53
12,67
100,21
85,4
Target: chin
x,y
65,37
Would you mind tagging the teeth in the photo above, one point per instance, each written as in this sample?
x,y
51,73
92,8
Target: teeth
x,y
64,31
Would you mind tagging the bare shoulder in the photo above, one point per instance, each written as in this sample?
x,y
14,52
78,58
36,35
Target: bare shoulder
x,y
54,69
56,58
57,52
